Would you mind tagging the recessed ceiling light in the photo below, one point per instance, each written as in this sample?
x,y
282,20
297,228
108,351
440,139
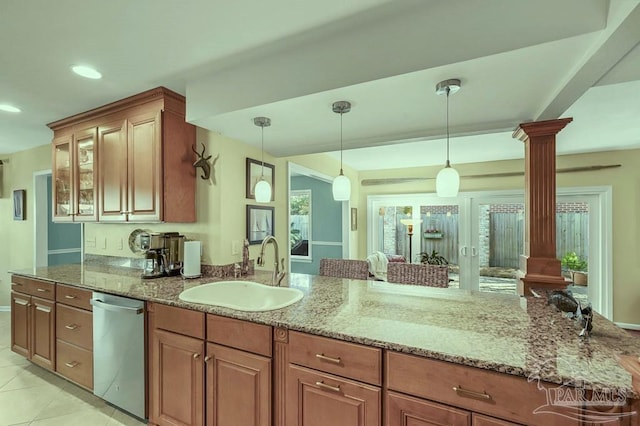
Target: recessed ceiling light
x,y
87,72
9,108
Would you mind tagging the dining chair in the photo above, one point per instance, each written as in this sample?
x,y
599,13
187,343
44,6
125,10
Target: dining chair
x,y
344,268
418,274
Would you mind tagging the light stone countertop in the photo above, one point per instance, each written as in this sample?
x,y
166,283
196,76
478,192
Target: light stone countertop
x,y
515,335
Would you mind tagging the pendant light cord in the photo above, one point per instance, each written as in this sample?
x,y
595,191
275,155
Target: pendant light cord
x,y
448,164
262,149
341,142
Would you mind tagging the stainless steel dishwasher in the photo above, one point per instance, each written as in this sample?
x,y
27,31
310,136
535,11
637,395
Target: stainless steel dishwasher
x,y
118,351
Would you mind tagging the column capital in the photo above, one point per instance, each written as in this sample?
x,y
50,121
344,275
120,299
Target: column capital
x,y
540,128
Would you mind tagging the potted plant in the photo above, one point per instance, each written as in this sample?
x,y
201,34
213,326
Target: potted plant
x,y
433,258
576,266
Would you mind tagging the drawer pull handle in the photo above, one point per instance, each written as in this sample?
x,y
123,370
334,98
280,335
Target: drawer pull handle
x,y
325,386
72,364
22,302
196,356
71,326
43,309
328,358
16,284
67,296
42,290
471,394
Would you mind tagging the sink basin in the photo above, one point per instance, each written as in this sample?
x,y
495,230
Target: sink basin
x,y
242,295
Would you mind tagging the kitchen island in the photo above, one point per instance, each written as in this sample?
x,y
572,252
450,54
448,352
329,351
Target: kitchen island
x,y
515,336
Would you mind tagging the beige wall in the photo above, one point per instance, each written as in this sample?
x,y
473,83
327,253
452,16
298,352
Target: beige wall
x,y
16,248
221,208
625,182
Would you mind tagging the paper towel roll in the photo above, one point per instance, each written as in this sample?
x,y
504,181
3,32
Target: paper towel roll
x,y
191,268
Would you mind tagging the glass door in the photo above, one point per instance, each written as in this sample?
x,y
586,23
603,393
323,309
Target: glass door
x,y
496,242
85,176
63,179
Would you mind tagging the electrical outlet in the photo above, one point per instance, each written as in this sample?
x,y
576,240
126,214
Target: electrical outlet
x,y
104,243
90,242
120,244
235,247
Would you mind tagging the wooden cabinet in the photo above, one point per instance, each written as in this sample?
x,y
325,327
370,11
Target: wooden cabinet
x,y
176,366
33,320
318,399
505,397
144,162
402,410
238,373
237,378
74,335
74,176
328,381
238,387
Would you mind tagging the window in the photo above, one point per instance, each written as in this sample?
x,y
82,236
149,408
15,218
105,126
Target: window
x,y
300,227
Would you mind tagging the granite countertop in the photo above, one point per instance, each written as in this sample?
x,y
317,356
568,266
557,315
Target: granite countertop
x,y
514,335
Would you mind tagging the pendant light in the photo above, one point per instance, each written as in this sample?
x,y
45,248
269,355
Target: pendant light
x,y
262,190
448,179
341,185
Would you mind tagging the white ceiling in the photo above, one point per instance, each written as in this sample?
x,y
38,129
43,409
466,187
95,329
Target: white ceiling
x,y
518,61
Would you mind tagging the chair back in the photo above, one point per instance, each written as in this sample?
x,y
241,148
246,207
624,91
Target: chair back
x,y
344,268
418,274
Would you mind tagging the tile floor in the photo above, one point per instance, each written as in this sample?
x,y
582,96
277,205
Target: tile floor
x,y
31,395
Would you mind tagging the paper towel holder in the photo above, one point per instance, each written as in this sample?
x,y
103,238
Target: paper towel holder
x,y
192,253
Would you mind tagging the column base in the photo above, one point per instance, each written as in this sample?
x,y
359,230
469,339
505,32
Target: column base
x,y
527,282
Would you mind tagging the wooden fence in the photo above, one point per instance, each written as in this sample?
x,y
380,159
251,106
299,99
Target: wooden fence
x,y
506,241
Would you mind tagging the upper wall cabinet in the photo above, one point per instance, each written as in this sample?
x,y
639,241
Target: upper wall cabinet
x,y
126,161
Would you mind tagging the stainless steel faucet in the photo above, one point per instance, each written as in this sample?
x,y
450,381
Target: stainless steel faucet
x,y
278,273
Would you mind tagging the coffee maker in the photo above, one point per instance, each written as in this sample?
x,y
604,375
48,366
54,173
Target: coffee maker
x,y
164,253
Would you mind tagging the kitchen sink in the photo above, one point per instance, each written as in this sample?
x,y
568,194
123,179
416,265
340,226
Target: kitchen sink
x,y
242,295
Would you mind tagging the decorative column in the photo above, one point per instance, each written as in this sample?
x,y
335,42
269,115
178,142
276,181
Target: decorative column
x,y
539,267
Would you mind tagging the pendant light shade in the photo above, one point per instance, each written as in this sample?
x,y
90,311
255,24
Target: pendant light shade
x,y
448,179
341,187
262,191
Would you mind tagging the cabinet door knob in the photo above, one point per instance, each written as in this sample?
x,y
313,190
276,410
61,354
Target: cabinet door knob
x,y
325,386
207,358
195,356
323,357
471,394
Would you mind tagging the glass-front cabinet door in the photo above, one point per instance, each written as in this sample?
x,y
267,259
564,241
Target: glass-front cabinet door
x,y
85,175
62,191
74,195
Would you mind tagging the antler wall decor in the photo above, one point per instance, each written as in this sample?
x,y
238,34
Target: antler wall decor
x,y
202,162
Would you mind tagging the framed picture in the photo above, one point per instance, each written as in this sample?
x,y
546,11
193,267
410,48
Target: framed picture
x,y
354,219
19,204
259,223
254,171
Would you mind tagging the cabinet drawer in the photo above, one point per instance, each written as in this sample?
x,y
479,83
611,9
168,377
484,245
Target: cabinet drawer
x,y
478,390
42,289
178,320
239,334
74,326
334,356
74,296
74,363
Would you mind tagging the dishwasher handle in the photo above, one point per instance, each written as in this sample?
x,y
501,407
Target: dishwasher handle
x,y
116,308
